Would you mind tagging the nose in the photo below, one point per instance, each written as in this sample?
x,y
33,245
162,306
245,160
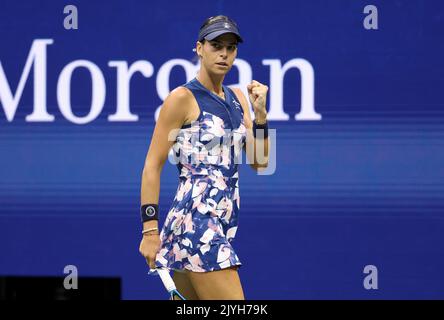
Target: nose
x,y
224,52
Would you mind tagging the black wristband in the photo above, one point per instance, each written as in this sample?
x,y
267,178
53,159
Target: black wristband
x,y
263,126
149,212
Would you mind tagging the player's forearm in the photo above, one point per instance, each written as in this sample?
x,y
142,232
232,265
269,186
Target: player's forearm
x,y
257,151
261,152
149,191
261,145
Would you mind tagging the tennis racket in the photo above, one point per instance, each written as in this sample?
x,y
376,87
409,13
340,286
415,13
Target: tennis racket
x,y
168,282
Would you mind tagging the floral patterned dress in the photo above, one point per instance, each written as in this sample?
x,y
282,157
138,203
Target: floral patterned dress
x,y
203,219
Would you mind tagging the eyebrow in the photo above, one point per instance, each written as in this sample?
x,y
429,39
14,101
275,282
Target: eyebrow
x,y
230,43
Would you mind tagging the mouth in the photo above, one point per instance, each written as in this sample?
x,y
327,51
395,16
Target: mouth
x,y
223,64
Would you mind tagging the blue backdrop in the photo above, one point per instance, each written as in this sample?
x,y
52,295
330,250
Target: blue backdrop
x,y
361,186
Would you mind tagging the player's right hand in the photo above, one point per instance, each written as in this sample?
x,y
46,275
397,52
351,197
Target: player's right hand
x,y
149,246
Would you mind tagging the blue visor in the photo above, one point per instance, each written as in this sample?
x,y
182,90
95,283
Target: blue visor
x,y
216,29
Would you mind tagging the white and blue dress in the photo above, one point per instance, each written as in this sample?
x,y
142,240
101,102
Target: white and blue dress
x,y
203,219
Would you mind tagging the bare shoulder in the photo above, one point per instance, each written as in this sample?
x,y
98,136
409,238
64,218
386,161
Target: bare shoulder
x,y
179,95
180,103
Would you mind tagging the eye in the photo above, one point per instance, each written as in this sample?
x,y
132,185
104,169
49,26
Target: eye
x,y
216,45
232,48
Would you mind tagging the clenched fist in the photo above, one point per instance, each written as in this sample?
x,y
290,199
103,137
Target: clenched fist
x,y
257,92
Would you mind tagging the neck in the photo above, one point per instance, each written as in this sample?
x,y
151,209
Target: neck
x,y
212,83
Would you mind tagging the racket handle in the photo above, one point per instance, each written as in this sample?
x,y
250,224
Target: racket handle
x,y
168,282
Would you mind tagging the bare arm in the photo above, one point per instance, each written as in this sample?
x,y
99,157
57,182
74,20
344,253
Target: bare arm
x,y
173,114
255,149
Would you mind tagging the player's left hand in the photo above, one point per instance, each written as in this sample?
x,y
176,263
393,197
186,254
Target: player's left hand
x,y
257,92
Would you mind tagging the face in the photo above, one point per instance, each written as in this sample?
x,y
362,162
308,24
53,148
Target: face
x,y
218,55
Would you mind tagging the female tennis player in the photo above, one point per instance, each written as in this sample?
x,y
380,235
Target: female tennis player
x,y
207,124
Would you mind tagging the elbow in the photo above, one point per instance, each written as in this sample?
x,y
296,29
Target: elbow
x,y
149,170
258,167
260,163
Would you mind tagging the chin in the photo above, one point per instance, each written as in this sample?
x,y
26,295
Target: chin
x,y
221,72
